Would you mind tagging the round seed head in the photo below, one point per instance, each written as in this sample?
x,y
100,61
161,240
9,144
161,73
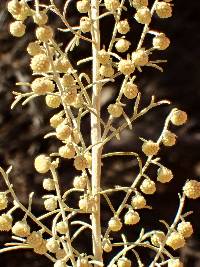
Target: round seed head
x,y
126,66
53,101
21,229
42,163
80,163
62,228
40,63
143,15
150,148
115,224
131,217
115,110
44,33
52,245
85,24
122,45
56,120
192,189
60,254
163,10
157,238
164,175
130,90
148,187
62,64
179,117
63,131
106,70
123,26
112,5
34,49
42,86
103,57
175,241
67,151
17,28
169,138
41,250
139,3
185,229
41,18
138,202
161,42
5,222
48,184
35,239
50,204
83,6
80,182
140,57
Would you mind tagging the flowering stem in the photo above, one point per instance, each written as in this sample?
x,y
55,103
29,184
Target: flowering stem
x,y
96,133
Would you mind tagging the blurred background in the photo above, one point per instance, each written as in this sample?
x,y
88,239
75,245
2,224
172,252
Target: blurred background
x,y
22,129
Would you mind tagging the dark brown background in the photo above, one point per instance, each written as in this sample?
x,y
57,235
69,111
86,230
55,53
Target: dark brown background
x,y
22,129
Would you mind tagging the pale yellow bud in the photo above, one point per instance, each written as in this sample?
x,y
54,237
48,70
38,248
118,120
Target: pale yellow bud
x,y
3,201
139,3
86,203
42,86
115,224
42,163
80,182
106,70
130,90
62,228
150,148
115,110
21,229
62,64
83,6
52,245
175,263
131,217
157,238
103,57
60,254
143,15
40,63
161,42
53,101
67,151
85,24
169,138
50,204
175,241
148,187
34,49
40,18
179,117
112,5
164,175
163,10
63,131
56,120
140,57
192,189
107,246
67,80
126,66
35,239
122,45
123,262
44,33
60,263
80,163
48,184
185,229
123,26
17,28
138,202
69,96
41,250
5,222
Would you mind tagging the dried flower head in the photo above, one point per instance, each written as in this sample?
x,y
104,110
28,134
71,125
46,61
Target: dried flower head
x,y
42,86
143,15
67,151
80,182
169,138
53,101
17,28
192,189
115,110
185,229
85,24
112,5
35,239
34,49
163,10
138,202
157,238
42,163
44,33
80,163
63,131
123,262
126,66
122,45
175,263
115,224
52,245
161,42
21,229
48,184
150,148
123,26
139,3
164,175
40,18
175,240
148,186
50,204
140,57
40,63
83,6
103,57
130,90
131,217
62,228
5,222
56,120
179,117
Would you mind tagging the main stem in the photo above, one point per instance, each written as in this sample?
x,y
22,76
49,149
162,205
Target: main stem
x,y
96,134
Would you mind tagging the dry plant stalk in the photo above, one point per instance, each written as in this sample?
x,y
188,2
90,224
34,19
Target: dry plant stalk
x,y
76,95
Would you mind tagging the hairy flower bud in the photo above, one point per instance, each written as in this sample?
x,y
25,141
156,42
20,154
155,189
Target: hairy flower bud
x,y
42,163
148,186
3,201
48,184
50,204
130,90
164,175
44,33
80,163
192,189
115,224
185,229
169,138
163,10
123,262
123,26
40,63
5,222
131,217
126,66
150,148
140,57
175,241
17,28
122,45
138,202
112,5
115,110
179,117
143,15
157,238
42,86
67,151
21,229
161,42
